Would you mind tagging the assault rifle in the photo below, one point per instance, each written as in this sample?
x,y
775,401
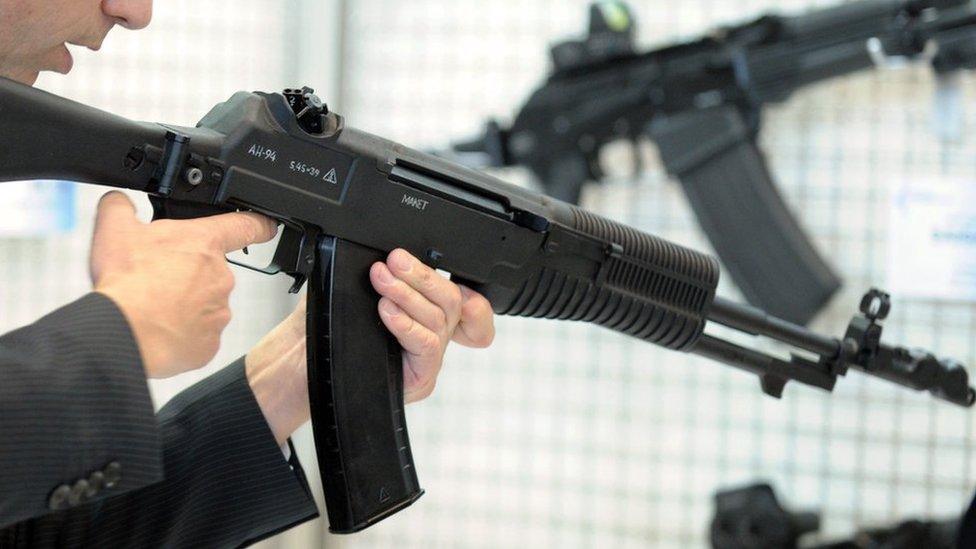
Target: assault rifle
x,y
701,102
346,198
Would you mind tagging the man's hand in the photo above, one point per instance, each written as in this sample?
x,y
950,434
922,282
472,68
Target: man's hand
x,y
170,279
425,311
421,308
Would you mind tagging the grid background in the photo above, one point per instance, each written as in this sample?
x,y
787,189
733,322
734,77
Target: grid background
x,y
572,436
566,435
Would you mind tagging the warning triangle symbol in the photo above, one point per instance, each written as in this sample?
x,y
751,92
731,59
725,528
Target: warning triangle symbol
x,y
331,176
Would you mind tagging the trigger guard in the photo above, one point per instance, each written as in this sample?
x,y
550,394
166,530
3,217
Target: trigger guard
x,y
294,255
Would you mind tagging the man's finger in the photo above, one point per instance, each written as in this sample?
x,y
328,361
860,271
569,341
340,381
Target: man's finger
x,y
477,326
115,211
408,299
233,231
422,349
415,338
439,290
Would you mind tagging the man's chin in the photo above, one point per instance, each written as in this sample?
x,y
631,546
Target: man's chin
x,y
62,61
24,77
26,70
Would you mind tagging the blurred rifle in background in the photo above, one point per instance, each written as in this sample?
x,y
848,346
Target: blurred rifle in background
x,y
701,103
752,518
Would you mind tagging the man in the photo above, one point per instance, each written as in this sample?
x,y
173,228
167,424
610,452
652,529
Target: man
x,y
83,460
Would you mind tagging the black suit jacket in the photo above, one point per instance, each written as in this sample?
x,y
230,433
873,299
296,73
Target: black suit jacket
x,y
84,462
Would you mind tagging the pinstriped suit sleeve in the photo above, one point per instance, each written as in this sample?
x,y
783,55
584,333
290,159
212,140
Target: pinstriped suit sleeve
x,y
227,483
73,397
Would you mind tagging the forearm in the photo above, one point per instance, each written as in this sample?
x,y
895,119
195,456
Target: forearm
x,y
276,375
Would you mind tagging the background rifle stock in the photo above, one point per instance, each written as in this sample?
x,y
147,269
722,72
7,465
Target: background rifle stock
x,y
566,435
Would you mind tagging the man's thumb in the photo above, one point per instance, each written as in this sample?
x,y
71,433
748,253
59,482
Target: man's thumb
x,y
115,211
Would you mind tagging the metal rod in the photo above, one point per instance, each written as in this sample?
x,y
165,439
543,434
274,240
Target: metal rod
x,y
757,322
764,365
733,355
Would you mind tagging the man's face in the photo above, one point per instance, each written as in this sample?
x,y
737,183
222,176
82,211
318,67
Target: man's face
x,y
33,33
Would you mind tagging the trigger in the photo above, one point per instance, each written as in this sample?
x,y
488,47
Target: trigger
x,y
298,282
294,255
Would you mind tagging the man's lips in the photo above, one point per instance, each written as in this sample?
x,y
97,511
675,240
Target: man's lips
x,y
93,46
63,60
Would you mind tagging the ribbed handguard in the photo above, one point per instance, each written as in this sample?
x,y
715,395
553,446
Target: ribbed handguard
x,y
654,290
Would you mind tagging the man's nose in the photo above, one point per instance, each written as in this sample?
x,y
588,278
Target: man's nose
x,y
131,14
